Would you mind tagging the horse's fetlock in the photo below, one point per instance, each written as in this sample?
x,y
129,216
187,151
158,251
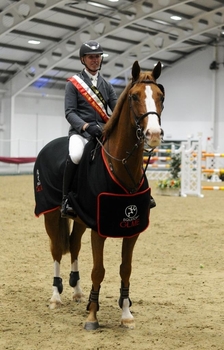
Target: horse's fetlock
x,y
124,294
94,298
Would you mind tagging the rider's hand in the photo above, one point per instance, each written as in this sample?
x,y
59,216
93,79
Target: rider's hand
x,y
93,129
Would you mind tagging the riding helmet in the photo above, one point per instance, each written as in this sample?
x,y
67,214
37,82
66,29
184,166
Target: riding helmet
x,y
90,47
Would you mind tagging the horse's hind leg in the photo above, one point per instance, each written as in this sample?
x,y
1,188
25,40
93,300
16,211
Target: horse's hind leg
x,y
127,320
75,246
97,276
58,232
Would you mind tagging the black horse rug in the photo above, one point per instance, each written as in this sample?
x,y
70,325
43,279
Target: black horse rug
x,y
97,197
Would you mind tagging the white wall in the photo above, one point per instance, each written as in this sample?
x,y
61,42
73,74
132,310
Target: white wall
x,y
36,118
194,97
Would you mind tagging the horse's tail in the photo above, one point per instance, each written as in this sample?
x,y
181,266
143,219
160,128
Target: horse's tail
x,y
58,230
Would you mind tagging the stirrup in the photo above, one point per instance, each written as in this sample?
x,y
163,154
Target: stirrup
x,y
70,215
66,210
152,203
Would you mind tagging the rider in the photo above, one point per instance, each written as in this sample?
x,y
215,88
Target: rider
x,y
85,121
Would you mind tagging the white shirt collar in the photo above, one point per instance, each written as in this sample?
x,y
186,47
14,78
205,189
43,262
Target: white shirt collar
x,y
92,77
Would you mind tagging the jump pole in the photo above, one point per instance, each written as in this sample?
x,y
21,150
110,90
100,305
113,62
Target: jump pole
x,y
213,188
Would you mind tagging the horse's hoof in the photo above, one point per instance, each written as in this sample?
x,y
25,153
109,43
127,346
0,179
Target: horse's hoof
x,y
55,305
77,297
91,326
130,324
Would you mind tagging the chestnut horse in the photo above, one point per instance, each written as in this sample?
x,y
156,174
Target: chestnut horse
x,y
134,123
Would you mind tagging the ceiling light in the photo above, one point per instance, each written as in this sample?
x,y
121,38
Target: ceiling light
x,y
34,42
161,22
176,18
113,0
98,5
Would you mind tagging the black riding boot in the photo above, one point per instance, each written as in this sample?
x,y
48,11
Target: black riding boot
x,y
70,169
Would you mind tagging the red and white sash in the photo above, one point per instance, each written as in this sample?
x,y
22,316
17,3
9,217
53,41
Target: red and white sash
x,y
90,96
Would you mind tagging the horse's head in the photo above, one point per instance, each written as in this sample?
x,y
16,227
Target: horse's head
x,y
146,103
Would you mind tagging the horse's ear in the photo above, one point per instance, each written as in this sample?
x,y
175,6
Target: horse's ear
x,y
157,71
135,71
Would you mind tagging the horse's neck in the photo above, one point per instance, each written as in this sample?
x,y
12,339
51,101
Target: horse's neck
x,y
122,143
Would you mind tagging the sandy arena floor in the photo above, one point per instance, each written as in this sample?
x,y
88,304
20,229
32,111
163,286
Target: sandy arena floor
x,y
177,283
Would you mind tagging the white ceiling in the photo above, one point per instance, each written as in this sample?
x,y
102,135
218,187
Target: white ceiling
x,y
128,30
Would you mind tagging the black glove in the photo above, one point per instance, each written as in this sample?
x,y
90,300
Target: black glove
x,y
94,130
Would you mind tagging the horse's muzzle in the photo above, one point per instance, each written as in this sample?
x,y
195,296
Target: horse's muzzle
x,y
153,139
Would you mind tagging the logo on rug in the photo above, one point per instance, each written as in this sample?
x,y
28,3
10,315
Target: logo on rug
x,y
131,211
38,182
132,217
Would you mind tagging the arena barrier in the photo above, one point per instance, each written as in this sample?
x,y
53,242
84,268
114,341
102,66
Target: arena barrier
x,y
17,161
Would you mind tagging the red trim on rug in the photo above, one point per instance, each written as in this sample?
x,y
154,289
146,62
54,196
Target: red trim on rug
x,y
47,211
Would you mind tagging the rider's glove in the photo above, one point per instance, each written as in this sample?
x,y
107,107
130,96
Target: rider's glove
x,y
94,130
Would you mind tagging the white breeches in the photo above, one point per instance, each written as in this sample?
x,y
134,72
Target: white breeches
x,y
76,147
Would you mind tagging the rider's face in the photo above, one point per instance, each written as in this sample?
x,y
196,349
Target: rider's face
x,y
92,62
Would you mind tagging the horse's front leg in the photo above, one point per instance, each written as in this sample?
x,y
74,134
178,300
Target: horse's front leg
x,y
127,320
75,246
97,276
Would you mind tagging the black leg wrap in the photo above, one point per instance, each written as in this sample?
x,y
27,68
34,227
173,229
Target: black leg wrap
x,y
94,298
73,279
124,294
57,282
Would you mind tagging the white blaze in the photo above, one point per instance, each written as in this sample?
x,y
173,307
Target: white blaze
x,y
153,123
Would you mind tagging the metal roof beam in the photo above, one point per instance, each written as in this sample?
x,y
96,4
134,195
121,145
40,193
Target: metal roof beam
x,y
162,41
21,12
22,81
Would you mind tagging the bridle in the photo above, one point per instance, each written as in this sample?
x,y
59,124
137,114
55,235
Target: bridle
x,y
140,139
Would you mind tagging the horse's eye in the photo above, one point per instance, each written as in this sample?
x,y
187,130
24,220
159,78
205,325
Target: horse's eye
x,y
134,97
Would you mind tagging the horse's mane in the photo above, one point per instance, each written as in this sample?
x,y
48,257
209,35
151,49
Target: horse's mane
x,y
109,126
116,112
